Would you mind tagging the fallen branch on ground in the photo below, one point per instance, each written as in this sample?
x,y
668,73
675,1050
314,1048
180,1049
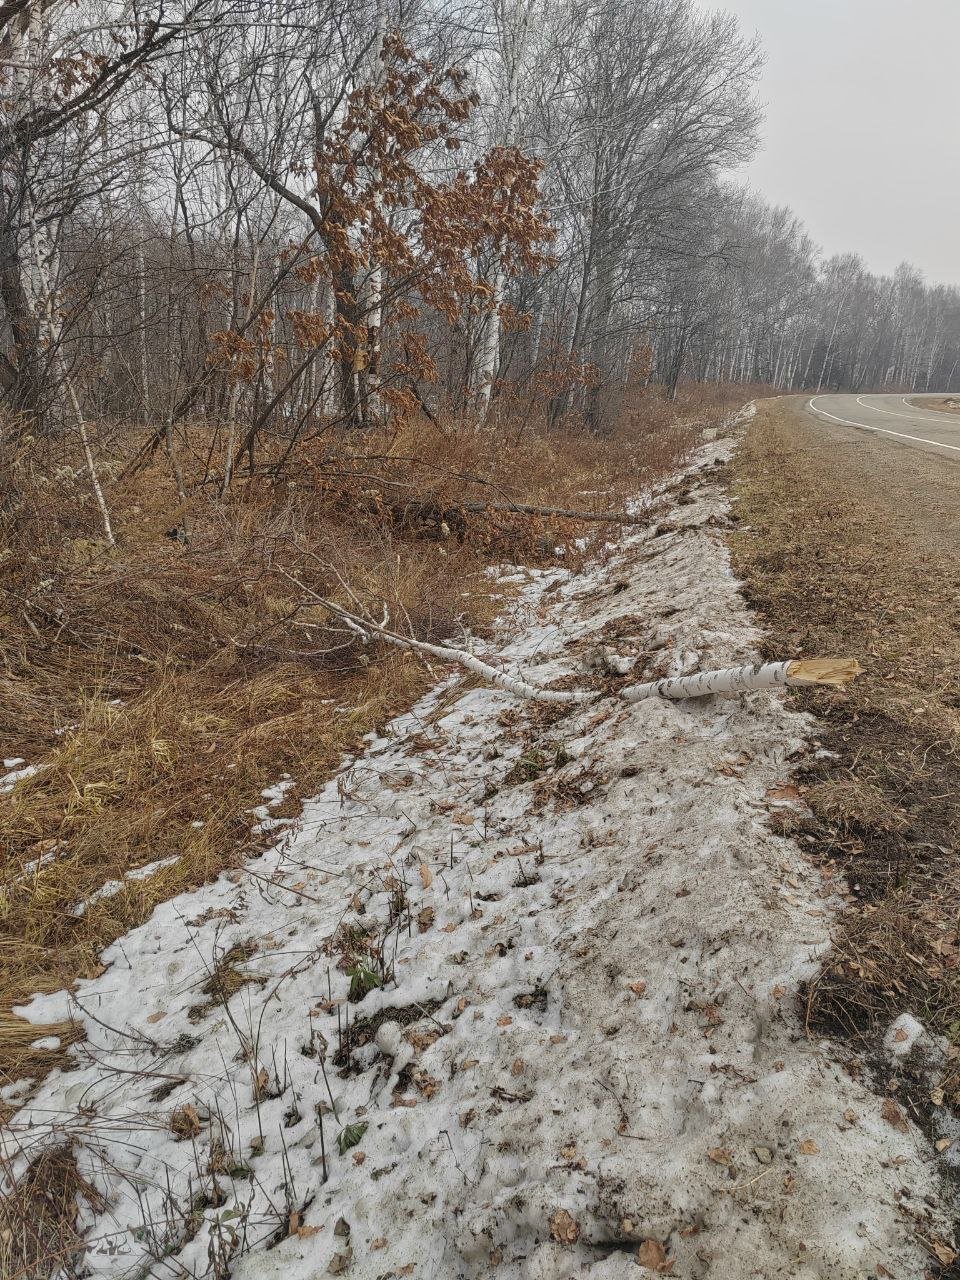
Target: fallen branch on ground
x,y
813,671
827,671
413,506
444,653
524,509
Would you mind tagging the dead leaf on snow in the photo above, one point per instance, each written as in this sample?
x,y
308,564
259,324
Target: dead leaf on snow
x,y
426,875
808,1148
720,1155
653,1256
638,988
787,792
943,1253
564,1228
155,1017
894,1115
185,1122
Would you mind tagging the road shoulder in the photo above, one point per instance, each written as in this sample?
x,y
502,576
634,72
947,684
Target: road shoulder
x,y
850,545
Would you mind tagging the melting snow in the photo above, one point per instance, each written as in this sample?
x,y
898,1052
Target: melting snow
x,y
9,780
590,1033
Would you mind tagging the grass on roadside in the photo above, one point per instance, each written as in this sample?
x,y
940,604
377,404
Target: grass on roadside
x,y
161,686
827,564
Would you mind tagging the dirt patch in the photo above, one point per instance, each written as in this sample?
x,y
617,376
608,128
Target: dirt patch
x,y
849,544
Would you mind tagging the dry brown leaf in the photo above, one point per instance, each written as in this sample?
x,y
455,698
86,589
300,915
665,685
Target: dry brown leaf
x,y
504,1022
359,1157
653,1256
518,1068
900,1035
261,1083
185,1121
381,1242
564,1228
155,1017
893,1115
306,1232
808,1148
943,1253
787,792
426,875
638,988
720,1155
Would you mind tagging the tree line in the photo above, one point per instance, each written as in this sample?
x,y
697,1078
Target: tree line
x,y
289,216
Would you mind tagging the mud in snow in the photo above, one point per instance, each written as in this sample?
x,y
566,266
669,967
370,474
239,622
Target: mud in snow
x,y
586,1056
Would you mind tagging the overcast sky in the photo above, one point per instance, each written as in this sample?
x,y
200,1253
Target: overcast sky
x,y
862,137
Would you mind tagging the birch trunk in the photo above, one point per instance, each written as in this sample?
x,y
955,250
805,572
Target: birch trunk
x,y
67,380
772,675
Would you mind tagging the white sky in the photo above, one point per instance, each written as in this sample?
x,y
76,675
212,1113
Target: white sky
x,y
862,137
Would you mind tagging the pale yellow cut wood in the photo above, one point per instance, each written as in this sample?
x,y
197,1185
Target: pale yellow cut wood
x,y
831,671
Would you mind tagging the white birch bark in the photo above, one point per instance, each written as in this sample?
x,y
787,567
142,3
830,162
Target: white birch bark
x,y
67,380
513,19
732,680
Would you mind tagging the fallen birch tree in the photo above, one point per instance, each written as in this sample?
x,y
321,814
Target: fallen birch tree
x,y
771,675
832,672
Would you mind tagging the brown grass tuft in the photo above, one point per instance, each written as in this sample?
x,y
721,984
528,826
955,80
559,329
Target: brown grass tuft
x,y
39,1237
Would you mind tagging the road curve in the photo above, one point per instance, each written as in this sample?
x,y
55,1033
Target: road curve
x,y
896,418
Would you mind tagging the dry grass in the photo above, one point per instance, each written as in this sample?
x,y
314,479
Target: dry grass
x,y
39,1236
162,686
948,404
844,552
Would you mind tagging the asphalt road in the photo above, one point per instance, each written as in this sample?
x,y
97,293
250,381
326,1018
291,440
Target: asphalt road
x,y
894,418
